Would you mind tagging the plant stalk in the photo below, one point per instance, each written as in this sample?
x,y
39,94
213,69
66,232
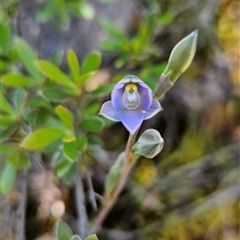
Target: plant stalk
x,y
109,200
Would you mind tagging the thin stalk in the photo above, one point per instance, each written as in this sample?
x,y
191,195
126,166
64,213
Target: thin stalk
x,y
21,209
81,210
109,200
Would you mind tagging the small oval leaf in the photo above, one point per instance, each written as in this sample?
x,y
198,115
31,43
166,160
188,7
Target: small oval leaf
x,y
65,115
92,124
27,57
8,177
17,80
84,78
103,90
70,149
63,167
91,63
55,94
75,237
63,231
73,64
69,136
6,106
91,237
82,142
54,73
41,138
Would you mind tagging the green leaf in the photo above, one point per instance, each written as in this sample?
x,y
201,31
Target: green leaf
x,y
55,94
110,46
84,78
5,38
6,120
75,237
7,178
103,90
36,102
5,134
69,136
54,146
4,65
52,122
63,167
166,18
70,149
27,57
41,138
92,108
54,73
17,80
73,64
5,106
92,124
24,161
48,12
41,118
65,115
112,30
14,158
19,159
69,175
5,148
58,57
18,97
63,231
91,237
91,63
82,142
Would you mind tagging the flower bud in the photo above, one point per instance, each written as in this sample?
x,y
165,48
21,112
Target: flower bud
x,y
181,56
149,144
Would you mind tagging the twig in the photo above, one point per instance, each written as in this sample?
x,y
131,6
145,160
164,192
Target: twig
x,y
81,209
98,196
21,209
91,192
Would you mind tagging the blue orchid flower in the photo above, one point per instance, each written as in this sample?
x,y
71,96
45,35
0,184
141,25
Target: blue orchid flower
x,y
131,103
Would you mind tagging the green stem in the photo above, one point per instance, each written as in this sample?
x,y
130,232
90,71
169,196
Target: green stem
x,y
109,200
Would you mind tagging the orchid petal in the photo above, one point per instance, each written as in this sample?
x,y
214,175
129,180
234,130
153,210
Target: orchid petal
x,y
110,112
145,94
116,96
132,120
153,110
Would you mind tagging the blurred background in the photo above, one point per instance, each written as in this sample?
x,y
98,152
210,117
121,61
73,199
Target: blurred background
x,y
190,191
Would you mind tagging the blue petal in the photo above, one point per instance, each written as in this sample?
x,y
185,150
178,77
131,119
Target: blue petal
x,y
153,110
116,96
132,120
145,94
109,112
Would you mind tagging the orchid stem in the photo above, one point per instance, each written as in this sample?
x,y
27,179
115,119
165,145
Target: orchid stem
x,y
109,200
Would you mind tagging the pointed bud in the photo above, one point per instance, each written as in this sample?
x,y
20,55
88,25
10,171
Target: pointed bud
x,y
181,56
149,144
